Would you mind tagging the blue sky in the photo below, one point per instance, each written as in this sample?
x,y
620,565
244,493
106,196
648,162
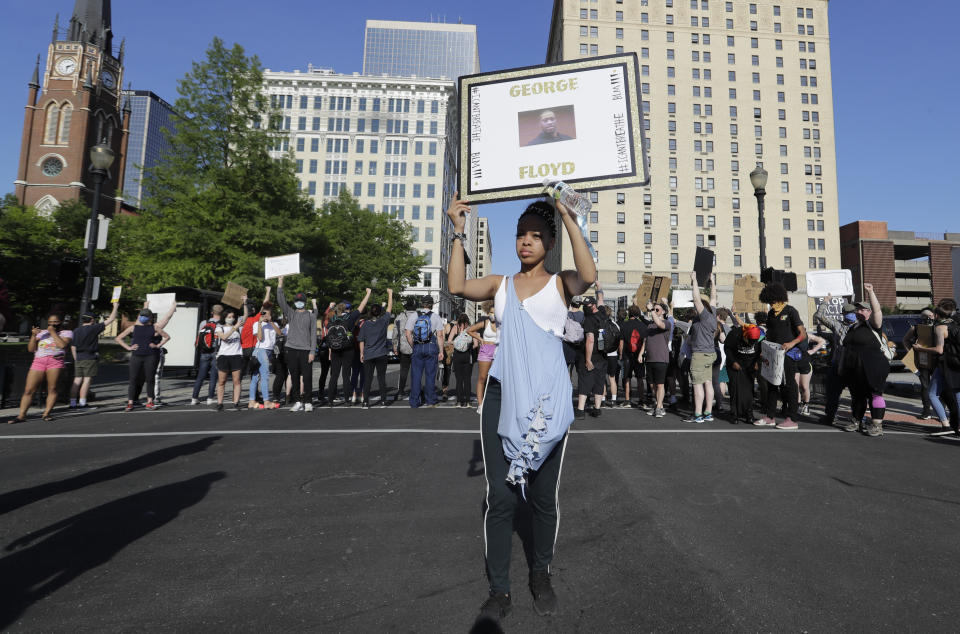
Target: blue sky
x,y
895,80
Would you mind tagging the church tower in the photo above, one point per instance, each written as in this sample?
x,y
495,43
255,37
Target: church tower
x,y
74,105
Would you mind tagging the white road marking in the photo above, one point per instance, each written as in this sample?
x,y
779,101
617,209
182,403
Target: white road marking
x,y
267,432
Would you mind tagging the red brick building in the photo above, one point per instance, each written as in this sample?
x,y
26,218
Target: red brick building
x,y
78,107
909,269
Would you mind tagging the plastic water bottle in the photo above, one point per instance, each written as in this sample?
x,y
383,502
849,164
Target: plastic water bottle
x,y
579,203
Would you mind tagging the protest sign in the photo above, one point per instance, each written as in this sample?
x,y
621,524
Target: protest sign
x,y
834,306
746,295
161,302
116,294
579,122
682,299
232,295
281,265
838,283
771,362
703,265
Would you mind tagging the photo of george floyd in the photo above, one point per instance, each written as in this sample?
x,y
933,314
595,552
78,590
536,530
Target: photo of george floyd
x,y
546,125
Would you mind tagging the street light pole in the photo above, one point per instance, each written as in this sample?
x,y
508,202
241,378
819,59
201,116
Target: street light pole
x,y
101,157
758,178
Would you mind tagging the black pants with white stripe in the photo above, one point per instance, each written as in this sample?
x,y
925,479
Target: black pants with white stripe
x,y
502,499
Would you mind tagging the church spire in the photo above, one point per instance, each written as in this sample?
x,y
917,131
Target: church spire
x,y
35,80
91,23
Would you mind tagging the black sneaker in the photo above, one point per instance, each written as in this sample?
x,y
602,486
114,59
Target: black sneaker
x,y
595,412
495,608
544,598
579,414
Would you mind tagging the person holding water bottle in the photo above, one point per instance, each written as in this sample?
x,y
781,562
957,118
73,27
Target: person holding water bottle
x,y
528,405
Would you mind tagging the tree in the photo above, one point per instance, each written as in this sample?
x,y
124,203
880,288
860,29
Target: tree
x,y
364,246
36,250
218,203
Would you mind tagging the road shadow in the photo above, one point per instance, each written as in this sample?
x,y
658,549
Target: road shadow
x,y
476,461
14,500
87,540
486,626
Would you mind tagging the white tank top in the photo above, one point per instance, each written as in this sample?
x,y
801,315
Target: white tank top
x,y
489,334
546,307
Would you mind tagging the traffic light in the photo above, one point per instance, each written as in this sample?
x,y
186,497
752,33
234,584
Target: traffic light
x,y
771,275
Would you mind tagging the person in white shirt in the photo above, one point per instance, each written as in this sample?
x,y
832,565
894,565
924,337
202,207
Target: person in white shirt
x,y
230,356
265,331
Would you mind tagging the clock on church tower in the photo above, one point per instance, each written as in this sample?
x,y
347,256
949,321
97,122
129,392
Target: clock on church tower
x,y
74,104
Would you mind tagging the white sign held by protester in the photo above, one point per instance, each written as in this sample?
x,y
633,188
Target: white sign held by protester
x,y
682,299
161,302
838,283
116,294
281,265
771,362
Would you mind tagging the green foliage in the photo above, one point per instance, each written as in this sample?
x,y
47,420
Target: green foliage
x,y
218,204
31,241
365,249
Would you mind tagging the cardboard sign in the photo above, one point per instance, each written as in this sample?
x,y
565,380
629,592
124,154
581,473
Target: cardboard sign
x,y
837,283
116,294
703,265
924,335
652,289
683,298
579,122
281,265
161,302
910,360
232,295
746,295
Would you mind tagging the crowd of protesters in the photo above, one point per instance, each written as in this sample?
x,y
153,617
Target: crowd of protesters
x,y
704,360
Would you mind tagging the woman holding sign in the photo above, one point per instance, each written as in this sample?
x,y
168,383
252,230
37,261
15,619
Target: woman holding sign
x,y
527,405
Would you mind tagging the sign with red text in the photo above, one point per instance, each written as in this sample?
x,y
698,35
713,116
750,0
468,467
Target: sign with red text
x,y
580,122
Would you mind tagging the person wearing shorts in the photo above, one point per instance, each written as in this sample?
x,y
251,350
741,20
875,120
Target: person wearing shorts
x,y
657,351
230,356
49,348
805,370
86,354
703,330
488,347
591,362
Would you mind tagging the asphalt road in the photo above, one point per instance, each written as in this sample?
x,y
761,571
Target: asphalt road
x,y
370,521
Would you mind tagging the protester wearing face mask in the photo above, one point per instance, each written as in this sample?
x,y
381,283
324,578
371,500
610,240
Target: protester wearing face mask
x,y
839,327
300,346
865,367
49,348
143,358
946,349
230,356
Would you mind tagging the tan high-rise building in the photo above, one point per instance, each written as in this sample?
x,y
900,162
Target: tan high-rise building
x,y
724,86
483,248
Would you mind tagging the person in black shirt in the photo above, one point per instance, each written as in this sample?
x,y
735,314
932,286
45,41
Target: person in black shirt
x,y
742,347
865,367
633,353
591,363
86,354
784,327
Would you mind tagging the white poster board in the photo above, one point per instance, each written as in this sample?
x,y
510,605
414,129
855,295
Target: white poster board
x,y
579,122
838,283
281,265
161,302
182,329
771,362
682,298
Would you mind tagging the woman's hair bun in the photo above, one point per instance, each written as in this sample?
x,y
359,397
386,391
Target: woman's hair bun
x,y
544,210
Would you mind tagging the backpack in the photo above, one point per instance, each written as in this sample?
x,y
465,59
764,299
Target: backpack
x,y
338,337
423,328
462,342
611,338
572,331
951,345
635,341
207,340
